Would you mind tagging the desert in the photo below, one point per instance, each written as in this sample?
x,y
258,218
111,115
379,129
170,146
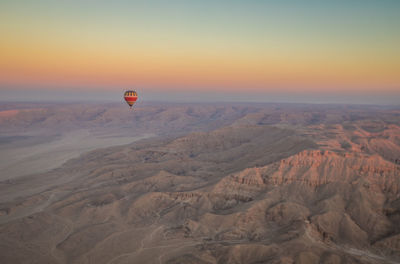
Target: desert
x,y
200,183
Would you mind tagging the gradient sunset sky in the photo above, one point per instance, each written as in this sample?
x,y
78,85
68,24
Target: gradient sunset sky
x,y
212,50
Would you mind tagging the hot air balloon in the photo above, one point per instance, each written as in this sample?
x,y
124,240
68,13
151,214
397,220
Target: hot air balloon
x,y
130,97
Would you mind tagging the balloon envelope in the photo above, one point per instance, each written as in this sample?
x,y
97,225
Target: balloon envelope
x,y
130,97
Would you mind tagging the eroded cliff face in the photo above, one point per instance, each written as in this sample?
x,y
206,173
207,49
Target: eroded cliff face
x,y
318,167
341,195
300,191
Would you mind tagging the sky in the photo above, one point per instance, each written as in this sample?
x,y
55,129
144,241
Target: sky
x,y
212,50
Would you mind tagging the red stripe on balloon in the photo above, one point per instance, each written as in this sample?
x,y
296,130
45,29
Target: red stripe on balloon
x,y
131,98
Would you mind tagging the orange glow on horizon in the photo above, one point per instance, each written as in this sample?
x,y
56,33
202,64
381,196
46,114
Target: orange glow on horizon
x,y
78,67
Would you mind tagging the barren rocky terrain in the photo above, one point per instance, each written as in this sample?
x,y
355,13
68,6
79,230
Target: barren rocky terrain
x,y
207,183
